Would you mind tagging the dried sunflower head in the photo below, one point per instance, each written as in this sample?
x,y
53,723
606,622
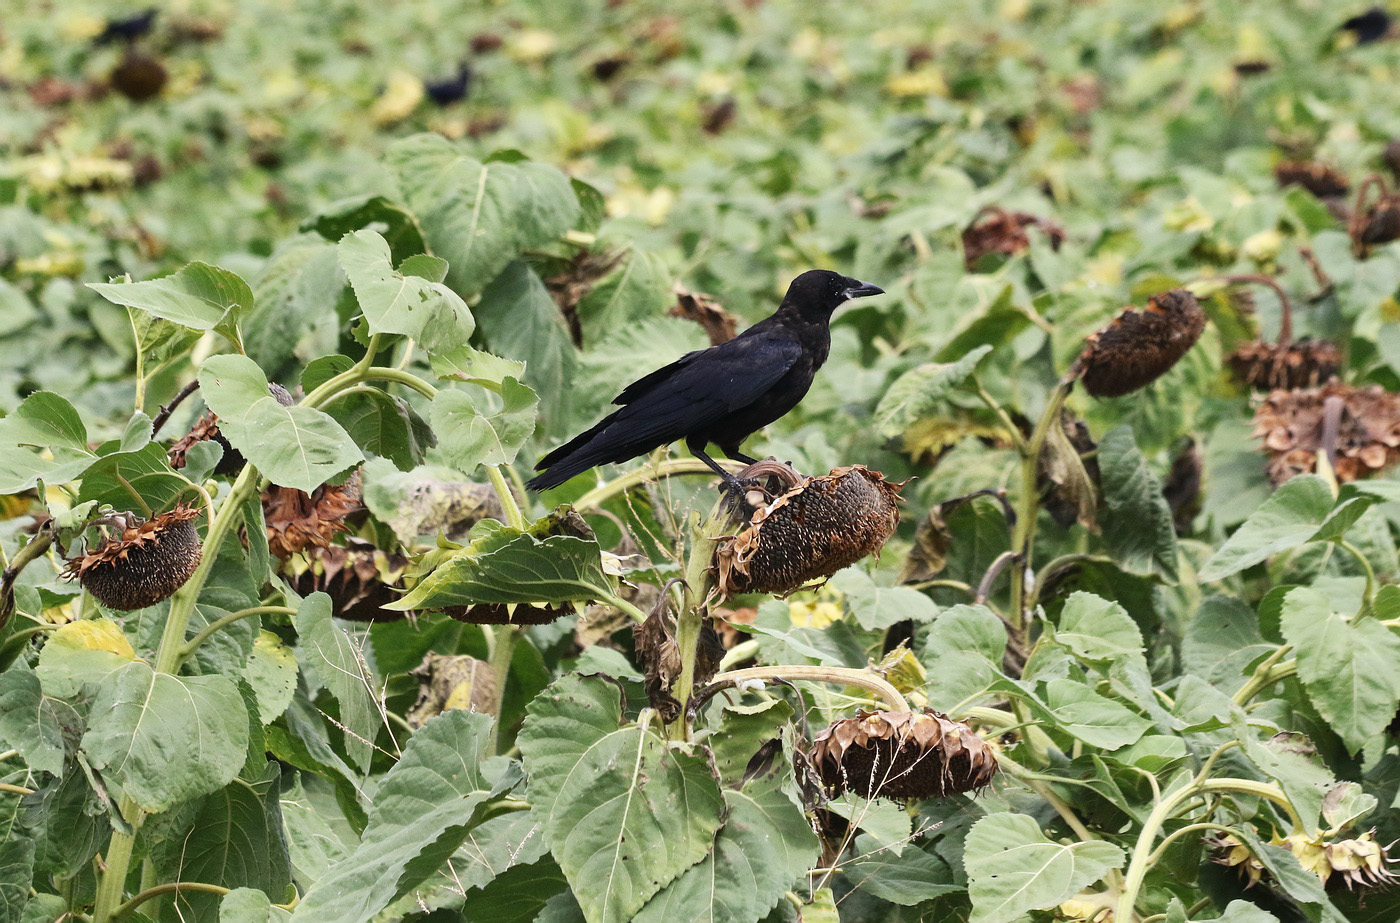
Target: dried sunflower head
x,y
815,527
1138,347
207,427
1227,850
1293,427
145,564
1320,179
1300,364
1356,862
358,577
297,520
902,755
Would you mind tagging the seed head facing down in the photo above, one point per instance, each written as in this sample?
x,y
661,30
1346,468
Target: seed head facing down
x,y
147,563
1300,364
1138,347
902,755
813,529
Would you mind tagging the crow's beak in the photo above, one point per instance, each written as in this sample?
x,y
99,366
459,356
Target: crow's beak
x,y
863,289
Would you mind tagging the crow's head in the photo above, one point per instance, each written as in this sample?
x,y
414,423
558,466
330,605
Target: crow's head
x,y
818,292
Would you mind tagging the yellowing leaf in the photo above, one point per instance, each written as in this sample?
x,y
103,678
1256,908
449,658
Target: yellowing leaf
x,y
94,635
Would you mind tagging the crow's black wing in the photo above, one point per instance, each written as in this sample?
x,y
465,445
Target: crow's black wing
x,y
690,395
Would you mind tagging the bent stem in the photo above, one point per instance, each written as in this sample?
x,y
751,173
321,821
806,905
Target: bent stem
x,y
168,658
1165,809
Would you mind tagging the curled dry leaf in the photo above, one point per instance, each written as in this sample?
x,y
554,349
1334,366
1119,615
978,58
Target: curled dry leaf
x,y
1138,347
145,564
1002,232
720,326
902,755
1068,474
813,529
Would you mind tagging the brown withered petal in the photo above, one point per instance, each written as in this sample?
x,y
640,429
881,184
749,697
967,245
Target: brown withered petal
x,y
1289,425
1002,232
1300,364
147,563
204,429
501,614
660,657
1318,178
358,577
717,117
297,520
902,755
720,326
1138,347
811,531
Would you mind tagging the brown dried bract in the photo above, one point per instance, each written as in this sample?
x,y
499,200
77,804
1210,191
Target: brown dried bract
x,y
996,230
1292,426
902,755
1138,347
717,117
1320,179
812,530
358,577
297,520
145,564
720,326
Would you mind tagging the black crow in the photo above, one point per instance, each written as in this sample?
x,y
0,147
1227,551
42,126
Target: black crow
x,y
719,395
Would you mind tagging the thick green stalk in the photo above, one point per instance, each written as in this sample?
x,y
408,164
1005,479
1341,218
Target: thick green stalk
x,y
691,618
502,636
168,656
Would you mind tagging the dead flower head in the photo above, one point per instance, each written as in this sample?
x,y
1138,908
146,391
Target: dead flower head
x,y
297,520
902,755
815,527
1301,364
1138,347
1364,430
358,577
146,563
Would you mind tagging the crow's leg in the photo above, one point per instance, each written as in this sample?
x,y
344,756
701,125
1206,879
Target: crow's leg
x,y
736,488
734,453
